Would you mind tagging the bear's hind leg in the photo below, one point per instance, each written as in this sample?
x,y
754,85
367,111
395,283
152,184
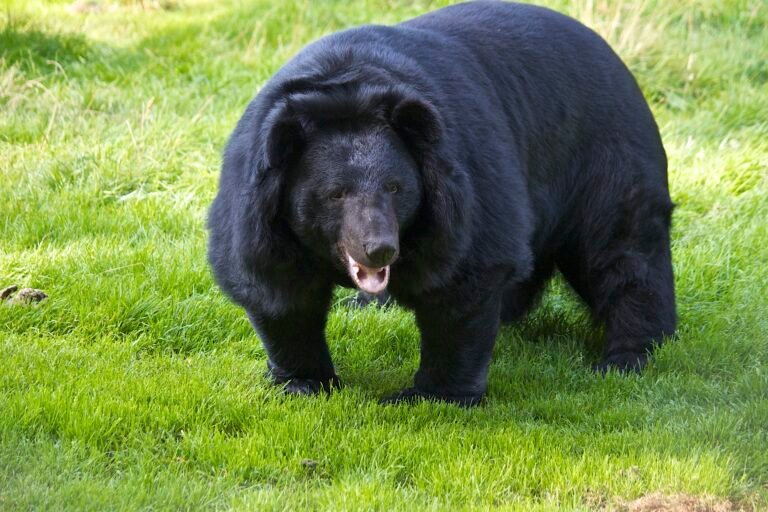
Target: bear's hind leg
x,y
636,301
634,296
617,257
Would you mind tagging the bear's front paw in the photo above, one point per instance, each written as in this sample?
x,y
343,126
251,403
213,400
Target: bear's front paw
x,y
624,362
299,386
411,395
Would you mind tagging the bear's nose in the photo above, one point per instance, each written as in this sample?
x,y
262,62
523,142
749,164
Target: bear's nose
x,y
380,253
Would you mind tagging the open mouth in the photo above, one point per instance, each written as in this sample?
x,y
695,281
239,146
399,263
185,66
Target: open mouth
x,y
371,280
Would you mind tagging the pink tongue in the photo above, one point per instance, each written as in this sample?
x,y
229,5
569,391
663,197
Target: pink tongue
x,y
371,280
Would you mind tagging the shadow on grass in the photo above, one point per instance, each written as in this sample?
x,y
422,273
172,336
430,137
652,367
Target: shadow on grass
x,y
62,56
34,50
557,341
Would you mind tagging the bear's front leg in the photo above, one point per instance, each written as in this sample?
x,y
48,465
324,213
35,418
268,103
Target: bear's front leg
x,y
457,341
295,343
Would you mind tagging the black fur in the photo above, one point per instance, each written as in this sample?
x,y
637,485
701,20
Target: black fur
x,y
513,141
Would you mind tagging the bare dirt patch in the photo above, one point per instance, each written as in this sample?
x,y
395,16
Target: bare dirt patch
x,y
679,503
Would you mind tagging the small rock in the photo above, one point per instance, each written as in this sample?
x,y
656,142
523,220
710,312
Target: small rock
x,y
309,464
678,503
6,293
29,295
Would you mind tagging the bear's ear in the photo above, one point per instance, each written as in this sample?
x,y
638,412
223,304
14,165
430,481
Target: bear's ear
x,y
279,140
418,124
257,158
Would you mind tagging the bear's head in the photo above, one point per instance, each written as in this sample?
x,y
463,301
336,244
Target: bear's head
x,y
352,191
347,172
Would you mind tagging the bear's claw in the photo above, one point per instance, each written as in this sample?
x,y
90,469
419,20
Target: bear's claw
x,y
310,386
301,385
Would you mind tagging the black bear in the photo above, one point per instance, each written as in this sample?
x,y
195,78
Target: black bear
x,y
454,161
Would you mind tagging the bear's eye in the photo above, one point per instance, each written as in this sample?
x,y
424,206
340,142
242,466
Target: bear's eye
x,y
337,194
393,188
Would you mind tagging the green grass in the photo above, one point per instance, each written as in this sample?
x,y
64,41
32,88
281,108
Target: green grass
x,y
138,385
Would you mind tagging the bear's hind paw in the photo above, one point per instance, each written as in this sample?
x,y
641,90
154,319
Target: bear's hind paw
x,y
624,363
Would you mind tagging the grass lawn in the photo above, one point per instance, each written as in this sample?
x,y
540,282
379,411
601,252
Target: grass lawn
x,y
136,384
